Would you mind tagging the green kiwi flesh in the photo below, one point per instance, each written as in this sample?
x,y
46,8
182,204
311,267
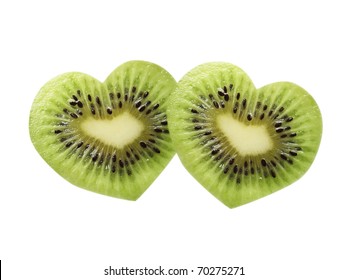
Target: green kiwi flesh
x,y
111,138
239,142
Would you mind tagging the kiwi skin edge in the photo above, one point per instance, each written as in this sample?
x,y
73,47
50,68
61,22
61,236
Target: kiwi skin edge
x,y
287,112
136,88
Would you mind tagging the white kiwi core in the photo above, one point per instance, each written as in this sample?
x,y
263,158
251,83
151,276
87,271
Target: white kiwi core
x,y
119,131
246,139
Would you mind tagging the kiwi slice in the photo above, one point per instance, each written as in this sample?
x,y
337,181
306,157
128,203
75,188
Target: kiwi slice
x,y
239,142
111,138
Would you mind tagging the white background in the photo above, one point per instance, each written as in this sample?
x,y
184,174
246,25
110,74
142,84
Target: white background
x,y
52,230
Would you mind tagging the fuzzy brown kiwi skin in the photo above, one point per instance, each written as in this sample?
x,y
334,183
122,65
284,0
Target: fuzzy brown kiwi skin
x,y
81,162
221,87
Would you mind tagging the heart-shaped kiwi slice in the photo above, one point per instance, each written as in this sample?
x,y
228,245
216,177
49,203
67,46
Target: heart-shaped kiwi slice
x,y
239,142
111,138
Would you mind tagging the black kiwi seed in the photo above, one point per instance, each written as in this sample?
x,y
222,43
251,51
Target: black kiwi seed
x,y
73,103
249,117
114,158
138,104
156,106
244,103
226,97
58,131
68,144
79,104
75,97
194,111
111,94
73,115
197,127
215,104
238,96
220,92
142,108
143,144
95,157
89,97
113,168
109,110
120,104
97,99
236,106
262,116
283,156
92,109
133,90
79,145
